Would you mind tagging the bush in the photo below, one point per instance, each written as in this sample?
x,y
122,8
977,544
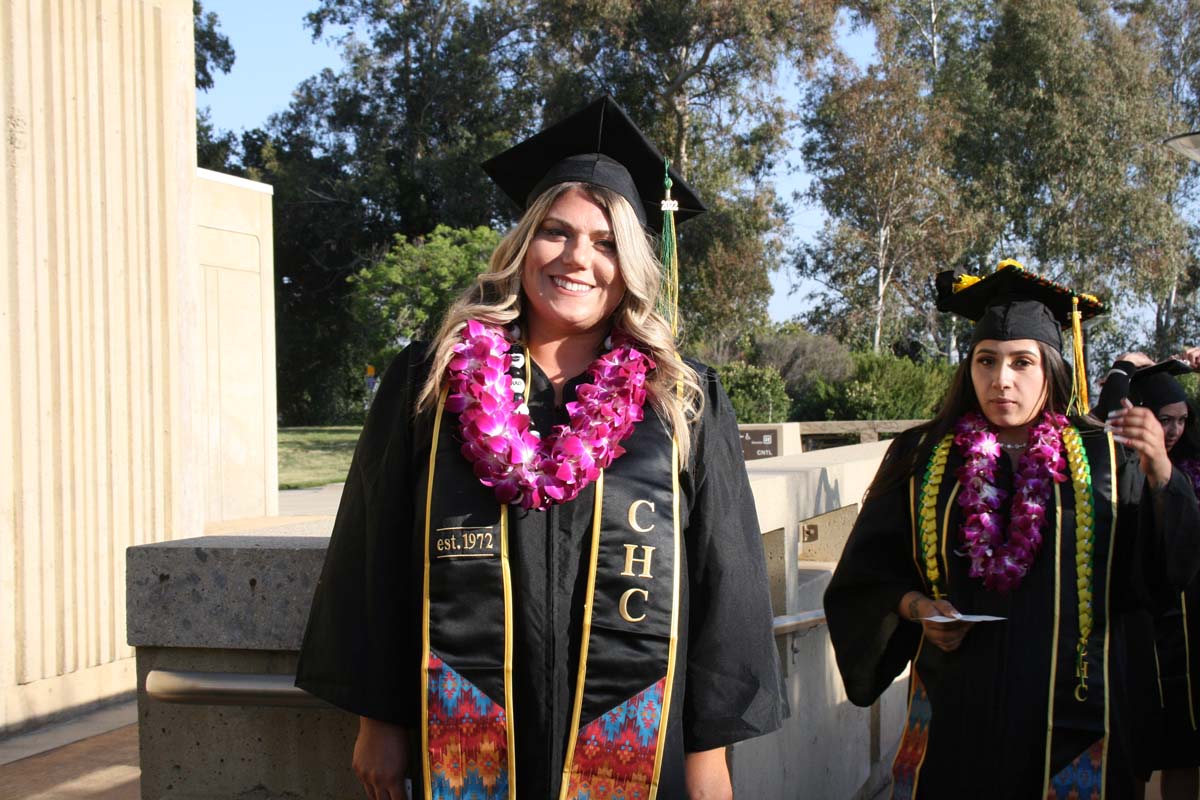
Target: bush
x,y
758,394
804,358
883,387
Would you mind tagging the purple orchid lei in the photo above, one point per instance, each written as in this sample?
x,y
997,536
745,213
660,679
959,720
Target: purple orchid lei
x,y
1004,562
513,459
1191,468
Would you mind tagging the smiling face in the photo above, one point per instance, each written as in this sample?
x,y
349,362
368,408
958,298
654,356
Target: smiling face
x,y
1009,380
571,274
1173,417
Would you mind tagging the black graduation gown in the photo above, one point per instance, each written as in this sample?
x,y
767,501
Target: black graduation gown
x,y
362,648
989,699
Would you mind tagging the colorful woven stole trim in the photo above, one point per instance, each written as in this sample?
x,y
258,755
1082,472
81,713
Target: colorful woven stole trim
x,y
468,738
1082,779
615,754
910,755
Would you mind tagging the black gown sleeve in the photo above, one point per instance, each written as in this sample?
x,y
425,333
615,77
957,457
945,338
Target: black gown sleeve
x,y
1115,389
1157,550
361,648
872,643
1170,520
734,688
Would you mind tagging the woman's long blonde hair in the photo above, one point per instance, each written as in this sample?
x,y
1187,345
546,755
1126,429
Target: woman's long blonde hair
x,y
496,298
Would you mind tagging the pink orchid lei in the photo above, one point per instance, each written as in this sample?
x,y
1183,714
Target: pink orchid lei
x,y
1004,562
512,458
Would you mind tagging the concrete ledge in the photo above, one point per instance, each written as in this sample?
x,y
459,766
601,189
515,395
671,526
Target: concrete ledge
x,y
230,592
190,752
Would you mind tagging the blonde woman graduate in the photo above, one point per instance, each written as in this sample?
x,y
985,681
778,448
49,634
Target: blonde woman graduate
x,y
995,557
546,578
1164,676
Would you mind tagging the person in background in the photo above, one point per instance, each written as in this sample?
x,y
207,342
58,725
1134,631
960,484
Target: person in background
x,y
1164,679
994,554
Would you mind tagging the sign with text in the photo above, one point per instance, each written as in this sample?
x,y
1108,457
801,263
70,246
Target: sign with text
x,y
760,443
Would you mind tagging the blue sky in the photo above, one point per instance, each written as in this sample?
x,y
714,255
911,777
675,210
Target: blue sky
x,y
275,52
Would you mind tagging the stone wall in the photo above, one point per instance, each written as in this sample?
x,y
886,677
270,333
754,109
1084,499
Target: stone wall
x,y
100,385
137,391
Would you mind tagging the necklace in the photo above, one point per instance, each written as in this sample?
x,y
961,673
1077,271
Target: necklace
x,y
511,457
1010,446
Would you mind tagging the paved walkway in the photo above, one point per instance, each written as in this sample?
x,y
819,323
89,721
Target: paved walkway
x,y
92,756
319,501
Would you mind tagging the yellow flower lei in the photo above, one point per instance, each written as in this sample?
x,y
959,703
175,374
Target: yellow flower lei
x,y
1085,541
1085,533
927,512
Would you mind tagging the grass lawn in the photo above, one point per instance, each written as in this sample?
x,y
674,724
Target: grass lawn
x,y
315,456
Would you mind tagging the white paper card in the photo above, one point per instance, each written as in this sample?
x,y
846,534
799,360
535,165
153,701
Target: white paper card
x,y
964,618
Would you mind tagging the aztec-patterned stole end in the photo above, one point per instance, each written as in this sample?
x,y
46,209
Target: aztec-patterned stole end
x,y
1082,779
911,752
615,753
468,738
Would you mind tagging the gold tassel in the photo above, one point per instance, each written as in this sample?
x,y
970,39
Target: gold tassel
x,y
1080,399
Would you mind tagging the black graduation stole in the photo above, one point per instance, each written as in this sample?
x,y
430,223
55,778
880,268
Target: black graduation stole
x,y
1080,706
630,627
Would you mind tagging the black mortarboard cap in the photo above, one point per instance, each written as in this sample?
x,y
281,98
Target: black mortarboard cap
x,y
1013,303
599,144
1154,386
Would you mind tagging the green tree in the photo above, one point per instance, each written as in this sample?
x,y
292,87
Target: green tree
x,y
215,149
213,50
877,145
1061,144
404,295
388,145
804,360
876,149
758,394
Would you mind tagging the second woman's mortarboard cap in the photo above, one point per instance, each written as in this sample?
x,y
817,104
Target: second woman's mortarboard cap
x,y
599,144
1154,386
1013,303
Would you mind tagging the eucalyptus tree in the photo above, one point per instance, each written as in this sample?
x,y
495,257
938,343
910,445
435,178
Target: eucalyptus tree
x,y
877,143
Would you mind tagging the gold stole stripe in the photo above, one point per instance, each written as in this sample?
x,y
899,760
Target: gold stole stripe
x,y
946,535
1058,546
1162,698
912,665
585,639
916,528
665,720
506,579
437,425
1112,546
1187,664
